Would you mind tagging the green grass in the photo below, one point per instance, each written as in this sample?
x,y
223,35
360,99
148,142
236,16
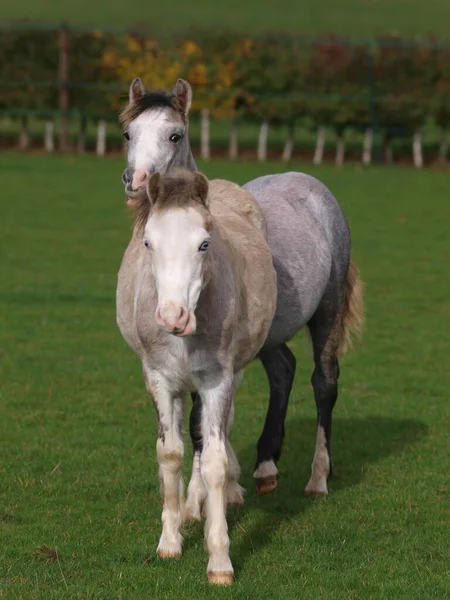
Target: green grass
x,y
350,17
78,470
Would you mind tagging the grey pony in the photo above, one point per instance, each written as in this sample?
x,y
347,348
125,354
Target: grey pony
x,y
318,285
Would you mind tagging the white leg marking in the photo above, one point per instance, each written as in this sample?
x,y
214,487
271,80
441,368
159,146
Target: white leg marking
x,y
266,469
170,451
235,493
317,484
214,470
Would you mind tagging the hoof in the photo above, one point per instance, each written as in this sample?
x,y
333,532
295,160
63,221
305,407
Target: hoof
x,y
235,495
315,494
317,486
168,554
316,490
235,504
265,485
220,577
192,516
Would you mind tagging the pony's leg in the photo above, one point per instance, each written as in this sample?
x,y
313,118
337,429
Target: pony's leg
x,y
214,470
196,492
170,450
279,364
235,493
325,333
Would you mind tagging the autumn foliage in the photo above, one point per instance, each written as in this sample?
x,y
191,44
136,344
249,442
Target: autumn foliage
x,y
327,81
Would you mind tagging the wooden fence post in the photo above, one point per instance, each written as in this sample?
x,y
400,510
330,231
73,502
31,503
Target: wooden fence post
x,y
204,141
63,77
367,146
49,142
233,147
320,145
262,140
417,149
289,144
101,138
340,149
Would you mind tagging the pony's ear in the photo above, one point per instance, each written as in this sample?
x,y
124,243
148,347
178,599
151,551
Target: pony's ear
x,y
182,92
201,187
155,188
137,90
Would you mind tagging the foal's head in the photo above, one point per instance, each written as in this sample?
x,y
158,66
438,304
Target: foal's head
x,y
155,125
176,226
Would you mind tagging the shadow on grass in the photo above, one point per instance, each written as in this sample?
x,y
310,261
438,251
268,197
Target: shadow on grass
x,y
356,444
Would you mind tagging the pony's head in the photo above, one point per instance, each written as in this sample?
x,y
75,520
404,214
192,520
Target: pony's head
x,y
156,127
175,223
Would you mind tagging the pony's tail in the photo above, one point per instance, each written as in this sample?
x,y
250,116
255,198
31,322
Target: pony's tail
x,y
352,318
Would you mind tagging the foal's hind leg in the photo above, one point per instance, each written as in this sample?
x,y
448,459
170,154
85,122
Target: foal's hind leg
x,y
196,492
235,493
279,363
325,327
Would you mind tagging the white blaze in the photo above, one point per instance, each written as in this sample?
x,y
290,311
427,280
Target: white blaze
x,y
175,237
149,147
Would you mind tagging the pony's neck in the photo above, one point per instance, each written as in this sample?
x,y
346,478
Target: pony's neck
x,y
184,159
190,162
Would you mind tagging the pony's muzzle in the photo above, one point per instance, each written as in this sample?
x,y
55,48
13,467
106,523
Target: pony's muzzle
x,y
133,180
175,319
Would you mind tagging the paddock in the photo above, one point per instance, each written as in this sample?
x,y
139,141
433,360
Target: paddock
x,y
80,508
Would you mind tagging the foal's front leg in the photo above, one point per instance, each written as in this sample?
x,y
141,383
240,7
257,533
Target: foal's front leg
x,y
196,492
214,471
170,451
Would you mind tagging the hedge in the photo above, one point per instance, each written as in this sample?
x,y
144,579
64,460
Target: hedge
x,y
391,83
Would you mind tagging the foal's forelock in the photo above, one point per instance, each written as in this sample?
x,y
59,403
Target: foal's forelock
x,y
181,189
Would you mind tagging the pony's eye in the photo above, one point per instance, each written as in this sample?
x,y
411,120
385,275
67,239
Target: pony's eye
x,y
126,135
203,247
147,245
175,138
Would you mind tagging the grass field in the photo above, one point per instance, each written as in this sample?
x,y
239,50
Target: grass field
x,y
80,511
350,17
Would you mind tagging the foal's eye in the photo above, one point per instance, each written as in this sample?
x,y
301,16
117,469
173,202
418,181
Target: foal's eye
x,y
126,135
175,138
203,247
147,245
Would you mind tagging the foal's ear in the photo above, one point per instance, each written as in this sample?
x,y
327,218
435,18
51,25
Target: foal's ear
x,y
182,92
201,187
137,90
155,188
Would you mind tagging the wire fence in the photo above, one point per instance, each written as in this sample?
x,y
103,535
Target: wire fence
x,y
385,87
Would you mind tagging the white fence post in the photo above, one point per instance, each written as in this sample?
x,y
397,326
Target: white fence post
x,y
367,146
262,140
101,138
49,139
320,145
